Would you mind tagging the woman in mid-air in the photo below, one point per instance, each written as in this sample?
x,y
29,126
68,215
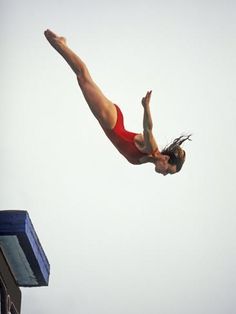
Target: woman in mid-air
x,y
136,148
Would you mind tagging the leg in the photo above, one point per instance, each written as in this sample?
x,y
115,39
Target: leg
x,y
102,108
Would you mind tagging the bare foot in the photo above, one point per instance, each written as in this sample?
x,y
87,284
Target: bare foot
x,y
56,41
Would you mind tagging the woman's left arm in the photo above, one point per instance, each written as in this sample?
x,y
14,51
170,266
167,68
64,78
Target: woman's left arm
x,y
149,140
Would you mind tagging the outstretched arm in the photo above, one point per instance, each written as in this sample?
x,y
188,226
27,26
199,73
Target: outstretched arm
x,y
149,140
161,161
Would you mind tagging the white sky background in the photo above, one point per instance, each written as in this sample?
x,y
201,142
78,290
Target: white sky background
x,y
120,238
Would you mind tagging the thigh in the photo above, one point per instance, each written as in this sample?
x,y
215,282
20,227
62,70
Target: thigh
x,y
102,108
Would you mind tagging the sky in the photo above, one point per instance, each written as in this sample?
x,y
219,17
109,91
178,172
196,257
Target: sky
x,y
121,238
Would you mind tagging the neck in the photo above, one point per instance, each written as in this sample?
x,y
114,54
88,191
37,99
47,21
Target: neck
x,y
146,159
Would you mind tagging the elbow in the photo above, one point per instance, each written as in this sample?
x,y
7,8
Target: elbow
x,y
148,131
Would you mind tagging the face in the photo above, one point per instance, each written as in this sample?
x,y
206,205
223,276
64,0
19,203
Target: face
x,y
163,167
170,169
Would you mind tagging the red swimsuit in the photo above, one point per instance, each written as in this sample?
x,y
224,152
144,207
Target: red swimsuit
x,y
124,140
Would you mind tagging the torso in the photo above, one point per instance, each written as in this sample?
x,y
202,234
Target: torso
x,y
129,144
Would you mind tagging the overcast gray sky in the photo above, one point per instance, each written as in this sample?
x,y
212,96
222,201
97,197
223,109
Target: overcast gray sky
x,y
120,238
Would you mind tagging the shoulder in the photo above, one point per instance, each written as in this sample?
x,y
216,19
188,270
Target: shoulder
x,y
139,139
140,144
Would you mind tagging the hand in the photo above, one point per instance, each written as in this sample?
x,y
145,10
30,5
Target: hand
x,y
146,99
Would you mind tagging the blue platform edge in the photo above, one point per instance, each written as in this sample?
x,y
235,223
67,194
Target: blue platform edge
x,y
17,223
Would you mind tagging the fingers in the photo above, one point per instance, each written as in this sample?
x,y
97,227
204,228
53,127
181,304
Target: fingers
x,y
146,99
49,34
148,95
48,31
